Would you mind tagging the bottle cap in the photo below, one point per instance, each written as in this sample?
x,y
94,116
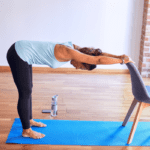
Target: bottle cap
x,y
54,98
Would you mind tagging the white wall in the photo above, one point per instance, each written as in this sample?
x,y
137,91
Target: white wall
x,y
112,25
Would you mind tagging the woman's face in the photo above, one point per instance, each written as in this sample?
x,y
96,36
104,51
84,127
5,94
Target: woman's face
x,y
78,65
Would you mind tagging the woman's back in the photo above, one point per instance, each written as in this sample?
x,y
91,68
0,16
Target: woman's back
x,y
39,52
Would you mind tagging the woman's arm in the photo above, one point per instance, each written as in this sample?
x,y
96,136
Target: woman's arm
x,y
104,59
97,60
76,55
110,55
103,54
68,53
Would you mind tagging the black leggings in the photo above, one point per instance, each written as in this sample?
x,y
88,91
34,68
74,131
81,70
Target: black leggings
x,y
22,75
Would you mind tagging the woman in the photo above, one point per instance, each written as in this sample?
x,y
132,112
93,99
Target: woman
x,y
22,54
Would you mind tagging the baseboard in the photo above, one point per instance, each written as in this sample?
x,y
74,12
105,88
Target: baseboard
x,y
70,70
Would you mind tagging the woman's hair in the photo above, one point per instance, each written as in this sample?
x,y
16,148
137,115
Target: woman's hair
x,y
90,51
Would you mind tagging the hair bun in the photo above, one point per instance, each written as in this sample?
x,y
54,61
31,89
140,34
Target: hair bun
x,y
92,52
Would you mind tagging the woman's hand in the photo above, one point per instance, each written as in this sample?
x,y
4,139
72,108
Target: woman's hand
x,y
126,59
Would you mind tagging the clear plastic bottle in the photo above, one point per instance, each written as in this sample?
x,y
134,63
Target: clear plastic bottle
x,y
54,106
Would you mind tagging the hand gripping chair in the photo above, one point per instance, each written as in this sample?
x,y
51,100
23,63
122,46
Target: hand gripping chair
x,y
141,95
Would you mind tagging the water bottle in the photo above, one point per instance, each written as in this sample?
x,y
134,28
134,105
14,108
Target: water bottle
x,y
54,106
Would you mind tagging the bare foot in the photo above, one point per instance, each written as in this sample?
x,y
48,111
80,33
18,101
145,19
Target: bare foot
x,y
38,124
32,134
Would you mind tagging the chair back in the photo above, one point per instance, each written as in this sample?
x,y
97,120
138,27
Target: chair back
x,y
138,88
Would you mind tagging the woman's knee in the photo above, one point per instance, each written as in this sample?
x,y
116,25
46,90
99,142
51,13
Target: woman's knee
x,y
25,92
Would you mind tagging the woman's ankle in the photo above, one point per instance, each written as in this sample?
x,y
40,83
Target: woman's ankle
x,y
27,130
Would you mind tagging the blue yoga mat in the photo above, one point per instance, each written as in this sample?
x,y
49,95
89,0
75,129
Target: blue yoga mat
x,y
74,132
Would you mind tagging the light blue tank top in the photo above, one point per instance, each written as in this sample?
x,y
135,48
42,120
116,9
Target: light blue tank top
x,y
39,52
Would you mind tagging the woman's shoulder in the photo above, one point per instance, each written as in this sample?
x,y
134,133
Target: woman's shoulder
x,y
61,52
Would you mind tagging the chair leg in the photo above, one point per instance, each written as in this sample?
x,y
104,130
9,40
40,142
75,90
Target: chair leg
x,y
132,107
136,119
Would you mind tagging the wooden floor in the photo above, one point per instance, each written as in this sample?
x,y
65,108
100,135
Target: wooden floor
x,y
99,97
